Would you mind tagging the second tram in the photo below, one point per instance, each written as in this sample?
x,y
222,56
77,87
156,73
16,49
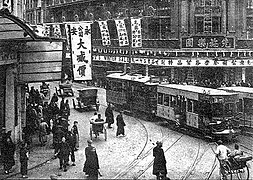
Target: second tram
x,y
208,111
132,92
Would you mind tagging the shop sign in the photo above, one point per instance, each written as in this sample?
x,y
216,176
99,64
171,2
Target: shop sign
x,y
208,42
196,62
136,32
81,50
104,33
122,32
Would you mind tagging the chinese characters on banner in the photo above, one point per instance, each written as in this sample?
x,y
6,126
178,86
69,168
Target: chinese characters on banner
x,y
122,32
178,62
81,50
46,31
136,32
104,33
56,30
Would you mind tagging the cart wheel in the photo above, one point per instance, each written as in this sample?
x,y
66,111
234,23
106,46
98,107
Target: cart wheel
x,y
105,132
243,174
91,132
74,105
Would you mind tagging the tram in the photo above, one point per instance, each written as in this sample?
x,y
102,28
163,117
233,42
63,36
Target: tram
x,y
208,111
132,92
244,106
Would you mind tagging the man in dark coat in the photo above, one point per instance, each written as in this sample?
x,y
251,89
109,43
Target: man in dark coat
x,y
63,154
75,132
109,116
72,143
54,98
8,152
91,165
58,134
120,124
159,166
23,157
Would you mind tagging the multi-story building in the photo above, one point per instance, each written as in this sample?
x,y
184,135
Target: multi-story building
x,y
182,40
24,58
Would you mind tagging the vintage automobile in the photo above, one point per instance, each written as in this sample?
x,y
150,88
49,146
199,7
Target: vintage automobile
x,y
87,99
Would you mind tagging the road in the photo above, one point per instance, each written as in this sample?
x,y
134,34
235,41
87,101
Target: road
x,y
130,157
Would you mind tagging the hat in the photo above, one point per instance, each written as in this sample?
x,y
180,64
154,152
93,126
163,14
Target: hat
x,y
89,141
159,143
75,122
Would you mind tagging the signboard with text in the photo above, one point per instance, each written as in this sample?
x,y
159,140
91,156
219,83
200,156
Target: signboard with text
x,y
81,50
208,42
177,62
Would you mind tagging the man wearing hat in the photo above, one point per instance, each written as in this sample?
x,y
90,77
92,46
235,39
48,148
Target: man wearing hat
x,y
222,154
75,132
159,166
91,165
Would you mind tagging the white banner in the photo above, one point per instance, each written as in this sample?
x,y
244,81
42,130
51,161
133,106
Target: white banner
x,y
176,62
136,32
81,50
104,33
122,32
46,31
56,30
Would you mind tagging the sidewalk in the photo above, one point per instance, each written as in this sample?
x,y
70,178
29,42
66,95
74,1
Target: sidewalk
x,y
38,156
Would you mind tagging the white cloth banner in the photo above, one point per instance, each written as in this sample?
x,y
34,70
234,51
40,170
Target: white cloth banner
x,y
136,32
46,31
56,30
104,33
81,50
122,32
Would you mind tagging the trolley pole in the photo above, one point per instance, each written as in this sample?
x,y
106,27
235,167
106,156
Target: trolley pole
x,y
130,41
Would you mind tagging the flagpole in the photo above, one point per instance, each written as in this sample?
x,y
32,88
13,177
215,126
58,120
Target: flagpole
x,y
130,42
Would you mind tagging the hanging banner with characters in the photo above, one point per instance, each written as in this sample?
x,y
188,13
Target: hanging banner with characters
x,y
104,33
122,32
56,30
136,32
81,50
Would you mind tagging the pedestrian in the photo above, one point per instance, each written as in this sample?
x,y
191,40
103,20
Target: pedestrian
x,y
58,134
43,133
109,115
76,134
222,154
62,105
98,125
23,158
91,165
67,109
8,152
63,154
72,143
54,98
159,166
120,124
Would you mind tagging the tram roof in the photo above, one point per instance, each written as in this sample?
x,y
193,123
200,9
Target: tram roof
x,y
238,89
133,77
198,89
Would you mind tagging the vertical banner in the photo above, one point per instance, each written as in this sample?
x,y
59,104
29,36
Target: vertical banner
x,y
136,32
122,32
81,50
104,33
56,30
46,31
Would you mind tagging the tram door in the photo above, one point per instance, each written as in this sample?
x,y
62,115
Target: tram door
x,y
182,107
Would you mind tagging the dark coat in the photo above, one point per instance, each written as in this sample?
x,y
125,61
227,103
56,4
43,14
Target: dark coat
x,y
109,115
8,152
23,154
91,164
64,150
159,161
120,125
71,139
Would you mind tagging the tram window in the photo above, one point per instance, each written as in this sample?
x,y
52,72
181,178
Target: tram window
x,y
217,109
189,105
166,100
173,101
239,106
160,99
229,109
248,105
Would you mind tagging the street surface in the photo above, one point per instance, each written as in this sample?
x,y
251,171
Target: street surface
x,y
130,157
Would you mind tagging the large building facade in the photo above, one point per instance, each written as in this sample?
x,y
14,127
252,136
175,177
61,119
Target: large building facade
x,y
181,40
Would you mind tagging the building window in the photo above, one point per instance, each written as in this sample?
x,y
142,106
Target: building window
x,y
38,17
249,21
208,16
